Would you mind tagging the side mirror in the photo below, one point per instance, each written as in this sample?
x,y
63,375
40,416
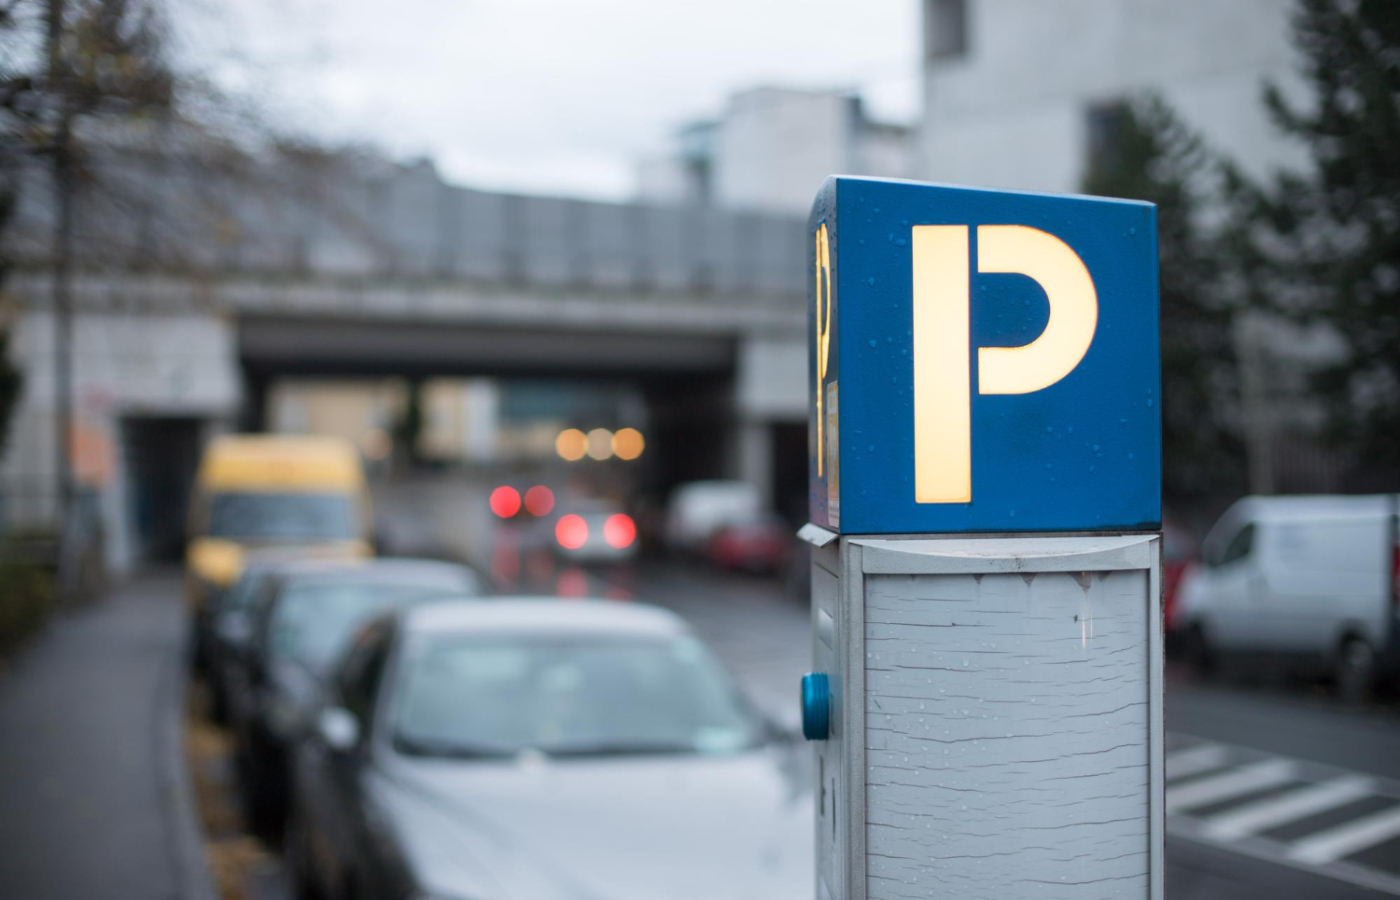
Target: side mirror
x,y
338,728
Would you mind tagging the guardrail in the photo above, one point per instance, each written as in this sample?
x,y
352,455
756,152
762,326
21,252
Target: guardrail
x,y
341,218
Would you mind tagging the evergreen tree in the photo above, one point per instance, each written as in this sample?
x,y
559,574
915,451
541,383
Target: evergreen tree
x,y
1324,244
1148,154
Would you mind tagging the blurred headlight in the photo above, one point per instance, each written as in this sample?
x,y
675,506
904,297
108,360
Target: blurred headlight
x,y
215,561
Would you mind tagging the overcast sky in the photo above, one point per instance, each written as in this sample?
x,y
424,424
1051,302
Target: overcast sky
x,y
546,96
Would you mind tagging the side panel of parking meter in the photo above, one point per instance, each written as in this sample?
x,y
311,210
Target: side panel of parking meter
x,y
985,469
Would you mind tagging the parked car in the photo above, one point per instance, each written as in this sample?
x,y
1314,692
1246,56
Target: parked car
x,y
1311,580
230,630
701,508
762,543
1179,553
296,626
545,749
305,495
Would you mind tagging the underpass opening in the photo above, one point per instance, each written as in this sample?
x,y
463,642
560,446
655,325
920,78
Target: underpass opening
x,y
684,384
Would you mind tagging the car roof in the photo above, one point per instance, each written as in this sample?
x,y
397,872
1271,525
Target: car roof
x,y
1315,506
543,615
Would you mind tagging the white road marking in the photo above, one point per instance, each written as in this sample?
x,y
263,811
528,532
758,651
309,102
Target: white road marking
x,y
1197,759
1271,812
1243,780
1344,840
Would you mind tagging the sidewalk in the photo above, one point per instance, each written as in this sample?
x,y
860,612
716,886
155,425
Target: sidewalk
x,y
94,801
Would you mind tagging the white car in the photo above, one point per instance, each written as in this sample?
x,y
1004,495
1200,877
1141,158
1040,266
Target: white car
x,y
1312,579
595,532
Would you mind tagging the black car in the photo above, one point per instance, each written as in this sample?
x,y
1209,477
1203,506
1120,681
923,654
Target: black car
x,y
549,749
294,627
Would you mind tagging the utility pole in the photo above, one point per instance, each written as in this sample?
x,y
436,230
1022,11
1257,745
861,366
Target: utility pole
x,y
62,263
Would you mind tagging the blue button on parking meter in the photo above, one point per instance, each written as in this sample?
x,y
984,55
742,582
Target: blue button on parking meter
x,y
982,361
816,706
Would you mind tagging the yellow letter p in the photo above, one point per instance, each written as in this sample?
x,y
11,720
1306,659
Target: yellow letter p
x,y
942,376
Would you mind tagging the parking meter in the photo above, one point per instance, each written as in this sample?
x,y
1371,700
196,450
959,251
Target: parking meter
x,y
985,469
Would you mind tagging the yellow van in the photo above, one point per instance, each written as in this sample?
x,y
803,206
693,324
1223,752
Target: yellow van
x,y
302,496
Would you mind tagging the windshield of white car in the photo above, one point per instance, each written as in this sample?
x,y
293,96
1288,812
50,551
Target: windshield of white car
x,y
467,697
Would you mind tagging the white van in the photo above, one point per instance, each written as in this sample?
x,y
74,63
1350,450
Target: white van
x,y
1315,580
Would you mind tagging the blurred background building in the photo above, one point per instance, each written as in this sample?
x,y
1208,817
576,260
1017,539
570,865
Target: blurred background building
x,y
1026,94
310,296
324,290
770,146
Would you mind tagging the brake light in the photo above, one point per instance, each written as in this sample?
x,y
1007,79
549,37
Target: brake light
x,y
1395,576
505,501
620,531
571,531
539,500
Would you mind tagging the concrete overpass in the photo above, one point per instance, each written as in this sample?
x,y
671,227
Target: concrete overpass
x,y
190,303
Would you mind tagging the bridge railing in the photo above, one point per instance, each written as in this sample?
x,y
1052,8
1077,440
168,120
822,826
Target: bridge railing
x,y
352,220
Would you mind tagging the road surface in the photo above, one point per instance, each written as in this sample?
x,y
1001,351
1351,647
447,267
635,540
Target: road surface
x,y
1273,792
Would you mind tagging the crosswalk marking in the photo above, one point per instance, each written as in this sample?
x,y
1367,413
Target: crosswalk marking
x,y
1197,759
1253,818
1243,780
1347,839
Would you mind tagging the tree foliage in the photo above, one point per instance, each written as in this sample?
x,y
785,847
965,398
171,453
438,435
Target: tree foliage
x,y
1323,244
1151,155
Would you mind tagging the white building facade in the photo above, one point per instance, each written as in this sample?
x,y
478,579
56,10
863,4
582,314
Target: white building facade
x,y
771,148
1018,93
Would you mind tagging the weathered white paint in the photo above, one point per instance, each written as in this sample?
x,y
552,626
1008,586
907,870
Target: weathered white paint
x,y
1007,735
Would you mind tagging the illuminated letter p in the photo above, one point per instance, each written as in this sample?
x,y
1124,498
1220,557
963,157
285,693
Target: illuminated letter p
x,y
942,392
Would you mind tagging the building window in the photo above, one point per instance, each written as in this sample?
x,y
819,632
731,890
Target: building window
x,y
945,29
1104,135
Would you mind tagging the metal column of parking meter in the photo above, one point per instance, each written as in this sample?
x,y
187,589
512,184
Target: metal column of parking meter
x,y
985,509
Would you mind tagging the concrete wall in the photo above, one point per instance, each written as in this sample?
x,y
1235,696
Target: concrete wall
x,y
126,364
353,220
1012,110
775,147
772,148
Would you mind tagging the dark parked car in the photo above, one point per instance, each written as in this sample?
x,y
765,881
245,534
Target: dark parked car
x,y
761,544
297,623
230,630
545,749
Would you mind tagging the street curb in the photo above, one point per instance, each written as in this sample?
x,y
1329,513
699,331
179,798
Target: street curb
x,y
186,838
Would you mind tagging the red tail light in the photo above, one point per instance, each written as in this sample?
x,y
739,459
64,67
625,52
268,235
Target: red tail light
x,y
539,500
505,501
1395,576
620,531
571,531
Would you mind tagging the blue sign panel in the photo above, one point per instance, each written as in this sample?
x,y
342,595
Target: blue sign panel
x,y
982,361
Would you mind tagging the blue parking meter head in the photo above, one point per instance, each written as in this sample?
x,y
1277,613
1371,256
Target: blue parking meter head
x,y
981,361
